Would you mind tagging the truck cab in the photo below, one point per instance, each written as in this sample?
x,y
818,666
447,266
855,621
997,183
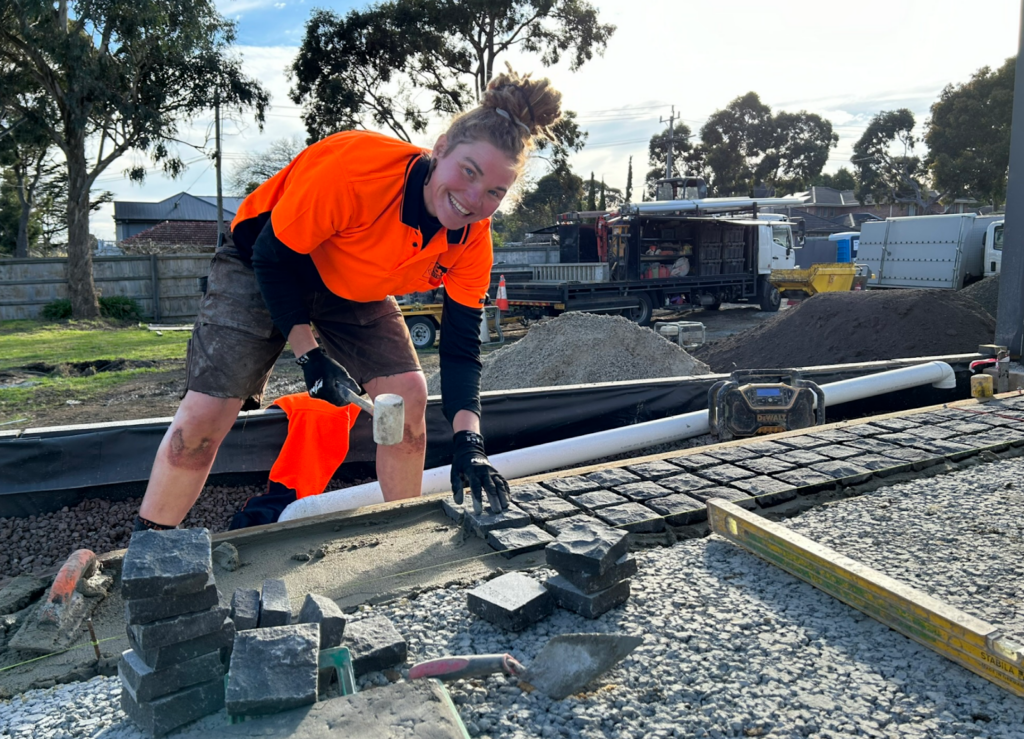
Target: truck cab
x,y
993,241
681,188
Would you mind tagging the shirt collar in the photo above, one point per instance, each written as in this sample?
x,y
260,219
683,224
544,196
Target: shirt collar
x,y
414,209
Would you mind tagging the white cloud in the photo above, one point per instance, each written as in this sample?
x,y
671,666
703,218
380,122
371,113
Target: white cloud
x,y
845,64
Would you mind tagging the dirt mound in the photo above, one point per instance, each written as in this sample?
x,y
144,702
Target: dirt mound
x,y
836,328
985,292
580,348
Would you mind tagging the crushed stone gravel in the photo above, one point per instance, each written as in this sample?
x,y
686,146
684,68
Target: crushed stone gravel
x,y
577,348
733,647
985,293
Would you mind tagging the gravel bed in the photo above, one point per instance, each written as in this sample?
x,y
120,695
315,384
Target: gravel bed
x,y
733,646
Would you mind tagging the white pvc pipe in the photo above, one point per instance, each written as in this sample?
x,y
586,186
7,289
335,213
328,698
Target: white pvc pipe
x,y
536,459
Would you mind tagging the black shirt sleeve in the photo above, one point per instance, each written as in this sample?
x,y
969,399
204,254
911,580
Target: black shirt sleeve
x,y
283,276
460,359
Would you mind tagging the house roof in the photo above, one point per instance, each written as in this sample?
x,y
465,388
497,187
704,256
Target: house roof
x,y
855,220
180,207
827,196
816,224
183,235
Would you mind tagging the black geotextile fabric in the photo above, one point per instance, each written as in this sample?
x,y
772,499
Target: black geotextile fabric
x,y
44,469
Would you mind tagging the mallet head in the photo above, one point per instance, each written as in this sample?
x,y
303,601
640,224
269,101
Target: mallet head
x,y
388,419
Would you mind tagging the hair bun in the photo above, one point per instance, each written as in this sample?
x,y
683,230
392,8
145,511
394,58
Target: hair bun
x,y
534,103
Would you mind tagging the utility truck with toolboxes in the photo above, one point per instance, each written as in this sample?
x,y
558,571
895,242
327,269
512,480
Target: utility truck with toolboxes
x,y
942,251
701,252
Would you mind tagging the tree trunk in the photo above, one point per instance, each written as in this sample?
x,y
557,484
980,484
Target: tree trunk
x,y
21,187
81,289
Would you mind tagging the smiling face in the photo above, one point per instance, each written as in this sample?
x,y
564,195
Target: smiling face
x,y
468,182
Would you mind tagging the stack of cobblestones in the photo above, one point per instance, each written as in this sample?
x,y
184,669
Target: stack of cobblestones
x,y
593,566
179,636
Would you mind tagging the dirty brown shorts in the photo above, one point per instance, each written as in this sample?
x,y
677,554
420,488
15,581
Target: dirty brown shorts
x,y
234,343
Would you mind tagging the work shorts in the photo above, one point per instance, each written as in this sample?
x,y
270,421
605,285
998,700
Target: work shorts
x,y
235,344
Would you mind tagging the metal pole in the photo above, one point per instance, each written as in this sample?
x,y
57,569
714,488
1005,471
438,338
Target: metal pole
x,y
671,141
220,192
154,271
1010,308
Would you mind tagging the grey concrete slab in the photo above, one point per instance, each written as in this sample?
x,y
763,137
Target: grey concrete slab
x,y
739,497
624,569
511,601
694,462
765,465
374,644
175,562
146,684
802,441
592,605
147,610
967,427
558,525
838,451
172,654
900,438
679,509
178,629
864,430
834,436
933,432
632,517
767,491
527,491
807,481
319,609
801,457
730,453
598,499
416,708
763,448
549,508
273,669
169,712
275,606
684,482
513,542
571,485
589,546
897,423
612,476
23,590
845,472
955,450
245,608
882,465
638,492
723,474
653,470
486,522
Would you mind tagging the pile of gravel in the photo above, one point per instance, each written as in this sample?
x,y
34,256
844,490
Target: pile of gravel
x,y
734,647
985,293
856,326
578,348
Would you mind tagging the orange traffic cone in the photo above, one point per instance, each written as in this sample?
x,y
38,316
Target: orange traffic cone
x,y
502,299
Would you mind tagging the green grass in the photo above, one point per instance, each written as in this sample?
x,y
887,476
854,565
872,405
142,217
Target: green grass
x,y
26,342
59,389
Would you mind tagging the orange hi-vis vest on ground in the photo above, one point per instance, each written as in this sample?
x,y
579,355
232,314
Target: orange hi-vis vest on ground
x,y
316,445
347,201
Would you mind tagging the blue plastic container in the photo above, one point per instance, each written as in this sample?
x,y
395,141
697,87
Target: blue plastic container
x,y
844,245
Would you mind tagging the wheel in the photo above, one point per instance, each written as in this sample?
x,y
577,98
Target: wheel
x,y
713,306
642,314
771,299
422,331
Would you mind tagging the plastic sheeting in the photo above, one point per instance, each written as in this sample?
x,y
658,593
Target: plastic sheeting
x,y
42,470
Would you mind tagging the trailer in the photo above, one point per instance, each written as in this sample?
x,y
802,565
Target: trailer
x,y
701,252
944,252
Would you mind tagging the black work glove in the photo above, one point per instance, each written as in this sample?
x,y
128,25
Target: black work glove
x,y
326,379
470,466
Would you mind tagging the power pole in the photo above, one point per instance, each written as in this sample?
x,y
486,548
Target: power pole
x,y
1010,308
217,161
671,141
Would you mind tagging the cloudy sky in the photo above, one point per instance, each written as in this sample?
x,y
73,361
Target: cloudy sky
x,y
844,61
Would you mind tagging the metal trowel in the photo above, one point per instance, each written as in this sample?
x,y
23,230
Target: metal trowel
x,y
565,665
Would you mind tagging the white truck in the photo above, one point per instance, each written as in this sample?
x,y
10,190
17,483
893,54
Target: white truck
x,y
944,251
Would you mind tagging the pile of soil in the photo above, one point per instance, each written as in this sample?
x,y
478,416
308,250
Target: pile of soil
x,y
577,348
837,328
985,293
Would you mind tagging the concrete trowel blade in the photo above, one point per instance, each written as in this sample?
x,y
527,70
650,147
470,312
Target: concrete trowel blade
x,y
569,661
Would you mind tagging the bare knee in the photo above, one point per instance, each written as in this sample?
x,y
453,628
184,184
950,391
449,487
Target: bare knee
x,y
411,386
198,429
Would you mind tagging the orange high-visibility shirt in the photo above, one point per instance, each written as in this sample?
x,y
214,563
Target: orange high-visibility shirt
x,y
343,201
316,445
